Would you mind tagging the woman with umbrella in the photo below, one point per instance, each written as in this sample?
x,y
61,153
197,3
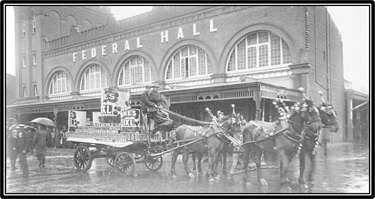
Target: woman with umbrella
x,y
12,140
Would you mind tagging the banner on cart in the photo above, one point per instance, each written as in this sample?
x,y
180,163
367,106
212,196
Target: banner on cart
x,y
131,118
77,119
114,101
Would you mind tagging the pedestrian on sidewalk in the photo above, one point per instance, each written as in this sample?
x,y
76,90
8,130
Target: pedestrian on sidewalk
x,y
40,142
12,140
22,147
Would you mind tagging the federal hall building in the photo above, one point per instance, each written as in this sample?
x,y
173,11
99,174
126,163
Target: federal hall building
x,y
200,56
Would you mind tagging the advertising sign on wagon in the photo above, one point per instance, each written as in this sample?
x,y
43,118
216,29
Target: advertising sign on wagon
x,y
76,119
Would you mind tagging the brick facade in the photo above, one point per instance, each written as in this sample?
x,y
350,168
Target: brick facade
x,y
313,39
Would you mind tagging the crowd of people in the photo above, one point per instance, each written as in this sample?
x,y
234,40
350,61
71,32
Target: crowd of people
x,y
33,139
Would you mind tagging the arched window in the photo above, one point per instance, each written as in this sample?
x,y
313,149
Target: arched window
x,y
24,90
260,49
136,69
34,24
61,83
189,61
93,78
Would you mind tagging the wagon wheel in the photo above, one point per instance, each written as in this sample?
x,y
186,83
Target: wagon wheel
x,y
125,163
111,161
82,158
153,163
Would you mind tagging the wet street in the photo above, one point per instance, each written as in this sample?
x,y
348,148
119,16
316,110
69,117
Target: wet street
x,y
344,170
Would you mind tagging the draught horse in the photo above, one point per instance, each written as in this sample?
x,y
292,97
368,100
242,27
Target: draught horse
x,y
209,139
329,119
284,142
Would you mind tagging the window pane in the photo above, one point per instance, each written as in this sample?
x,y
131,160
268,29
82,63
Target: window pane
x,y
287,55
232,61
147,68
97,80
127,73
169,70
183,68
252,39
192,50
263,55
184,52
63,84
68,85
83,83
275,50
193,66
263,37
120,78
241,53
252,57
202,61
92,81
177,66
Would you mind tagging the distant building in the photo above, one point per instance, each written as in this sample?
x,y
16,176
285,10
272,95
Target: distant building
x,y
202,56
10,93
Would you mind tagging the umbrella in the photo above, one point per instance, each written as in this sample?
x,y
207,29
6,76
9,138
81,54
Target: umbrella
x,y
44,121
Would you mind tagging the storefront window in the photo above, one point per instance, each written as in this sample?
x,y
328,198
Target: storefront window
x,y
136,69
61,83
93,78
189,61
260,49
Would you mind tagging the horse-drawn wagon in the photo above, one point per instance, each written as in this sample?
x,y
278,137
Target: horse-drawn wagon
x,y
120,133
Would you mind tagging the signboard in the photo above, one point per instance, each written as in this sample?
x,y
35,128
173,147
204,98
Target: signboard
x,y
76,119
114,101
131,118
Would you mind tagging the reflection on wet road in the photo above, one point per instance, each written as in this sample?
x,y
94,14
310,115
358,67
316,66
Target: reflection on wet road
x,y
344,170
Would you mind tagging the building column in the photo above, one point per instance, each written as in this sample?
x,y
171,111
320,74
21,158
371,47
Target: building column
x,y
55,111
257,99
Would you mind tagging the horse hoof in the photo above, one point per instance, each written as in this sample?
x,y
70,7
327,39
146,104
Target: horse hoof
x,y
191,175
263,182
304,186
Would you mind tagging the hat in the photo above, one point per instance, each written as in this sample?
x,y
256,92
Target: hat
x,y
14,130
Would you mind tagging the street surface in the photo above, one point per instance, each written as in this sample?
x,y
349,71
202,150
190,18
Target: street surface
x,y
344,170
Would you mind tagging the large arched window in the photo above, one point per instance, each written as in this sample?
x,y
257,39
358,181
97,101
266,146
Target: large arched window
x,y
61,83
136,69
93,78
257,50
189,61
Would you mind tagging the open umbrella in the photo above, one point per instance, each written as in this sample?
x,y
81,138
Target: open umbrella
x,y
44,121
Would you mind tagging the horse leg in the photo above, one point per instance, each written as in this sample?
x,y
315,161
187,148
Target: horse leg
x,y
312,170
246,159
200,156
284,165
185,159
225,172
216,164
174,158
301,182
193,156
258,157
212,158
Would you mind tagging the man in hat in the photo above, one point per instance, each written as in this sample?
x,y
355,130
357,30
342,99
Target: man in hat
x,y
22,147
12,140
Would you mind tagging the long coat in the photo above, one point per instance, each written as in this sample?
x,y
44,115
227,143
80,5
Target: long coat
x,y
147,101
23,142
12,146
40,142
